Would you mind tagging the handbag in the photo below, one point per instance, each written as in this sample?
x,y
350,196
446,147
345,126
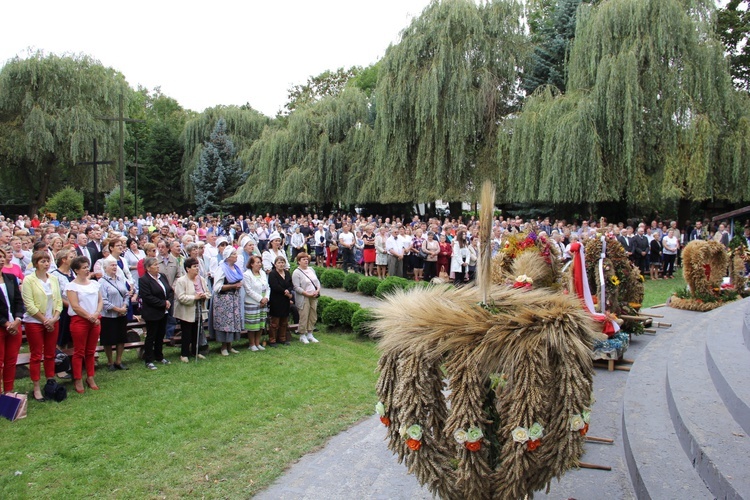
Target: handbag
x,y
13,405
443,274
333,247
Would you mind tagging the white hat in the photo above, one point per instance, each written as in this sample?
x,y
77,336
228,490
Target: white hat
x,y
228,251
220,240
274,236
245,240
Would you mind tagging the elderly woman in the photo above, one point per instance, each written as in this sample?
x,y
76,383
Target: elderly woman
x,y
431,249
273,252
115,301
225,305
444,254
43,303
156,299
11,313
671,246
245,251
280,282
191,292
85,310
257,292
307,291
381,253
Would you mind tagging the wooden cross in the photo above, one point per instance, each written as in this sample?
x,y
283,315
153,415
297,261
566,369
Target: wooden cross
x,y
121,157
95,164
136,165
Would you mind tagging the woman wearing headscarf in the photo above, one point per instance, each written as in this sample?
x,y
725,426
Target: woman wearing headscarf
x,y
257,294
273,252
11,313
280,282
306,293
225,304
43,303
191,293
115,302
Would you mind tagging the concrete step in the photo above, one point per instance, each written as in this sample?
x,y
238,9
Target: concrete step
x,y
728,360
657,464
714,442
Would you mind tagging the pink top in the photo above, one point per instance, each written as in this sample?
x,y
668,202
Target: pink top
x,y
15,270
201,233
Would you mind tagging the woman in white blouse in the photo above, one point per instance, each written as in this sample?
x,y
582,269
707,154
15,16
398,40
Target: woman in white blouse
x,y
306,291
85,310
255,283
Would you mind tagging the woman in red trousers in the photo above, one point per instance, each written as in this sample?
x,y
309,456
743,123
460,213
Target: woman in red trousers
x,y
43,303
85,310
11,312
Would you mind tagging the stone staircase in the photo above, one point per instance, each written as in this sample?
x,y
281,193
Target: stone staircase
x,y
686,410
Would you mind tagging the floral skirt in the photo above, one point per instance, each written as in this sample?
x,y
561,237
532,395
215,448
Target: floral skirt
x,y
226,314
255,317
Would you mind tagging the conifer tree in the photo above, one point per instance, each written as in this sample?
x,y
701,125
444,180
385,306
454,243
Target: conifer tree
x,y
218,174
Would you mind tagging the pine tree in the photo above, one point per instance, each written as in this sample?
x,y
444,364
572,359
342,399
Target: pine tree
x,y
217,174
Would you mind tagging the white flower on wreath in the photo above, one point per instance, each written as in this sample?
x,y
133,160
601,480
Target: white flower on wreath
x,y
380,408
524,279
402,431
461,436
576,423
520,434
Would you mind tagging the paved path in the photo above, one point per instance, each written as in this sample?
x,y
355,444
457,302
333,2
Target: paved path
x,y
357,463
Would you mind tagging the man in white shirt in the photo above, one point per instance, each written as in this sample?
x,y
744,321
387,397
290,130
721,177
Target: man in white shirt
x,y
395,249
346,246
210,251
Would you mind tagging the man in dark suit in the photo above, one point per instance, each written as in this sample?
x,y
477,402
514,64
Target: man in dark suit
x,y
156,297
94,245
626,240
641,249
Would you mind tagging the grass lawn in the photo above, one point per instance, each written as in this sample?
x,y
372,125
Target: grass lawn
x,y
658,291
221,428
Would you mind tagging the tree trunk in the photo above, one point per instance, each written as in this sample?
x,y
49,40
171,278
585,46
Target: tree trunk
x,y
683,211
41,198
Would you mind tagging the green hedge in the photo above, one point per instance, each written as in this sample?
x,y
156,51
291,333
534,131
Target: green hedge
x,y
339,313
332,278
323,302
368,285
351,281
361,321
391,284
319,270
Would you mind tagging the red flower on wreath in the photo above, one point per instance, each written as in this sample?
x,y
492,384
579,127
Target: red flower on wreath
x,y
474,446
533,445
386,421
584,430
413,444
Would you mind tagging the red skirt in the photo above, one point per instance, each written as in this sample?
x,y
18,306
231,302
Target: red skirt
x,y
369,255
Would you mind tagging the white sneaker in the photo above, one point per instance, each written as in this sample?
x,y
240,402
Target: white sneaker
x,y
201,356
253,348
234,351
311,338
261,348
184,359
224,352
303,338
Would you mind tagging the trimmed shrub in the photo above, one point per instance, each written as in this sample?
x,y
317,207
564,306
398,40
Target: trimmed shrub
x,y
66,203
368,285
351,281
323,302
391,284
332,278
319,270
361,321
339,313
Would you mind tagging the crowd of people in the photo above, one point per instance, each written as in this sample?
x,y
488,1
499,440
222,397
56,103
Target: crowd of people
x,y
81,282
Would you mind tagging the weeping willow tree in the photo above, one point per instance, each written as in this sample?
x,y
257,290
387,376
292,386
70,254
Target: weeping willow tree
x,y
318,156
244,125
441,91
649,114
50,113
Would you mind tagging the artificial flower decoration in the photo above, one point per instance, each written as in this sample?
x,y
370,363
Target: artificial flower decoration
x,y
460,436
577,423
536,432
523,281
615,280
520,434
413,435
474,434
473,446
415,432
586,414
413,444
386,421
380,408
532,445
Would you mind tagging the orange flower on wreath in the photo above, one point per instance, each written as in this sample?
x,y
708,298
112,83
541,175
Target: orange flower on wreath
x,y
386,421
584,430
533,445
473,446
413,444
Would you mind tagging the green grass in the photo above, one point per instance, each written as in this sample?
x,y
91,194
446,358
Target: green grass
x,y
221,428
657,292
